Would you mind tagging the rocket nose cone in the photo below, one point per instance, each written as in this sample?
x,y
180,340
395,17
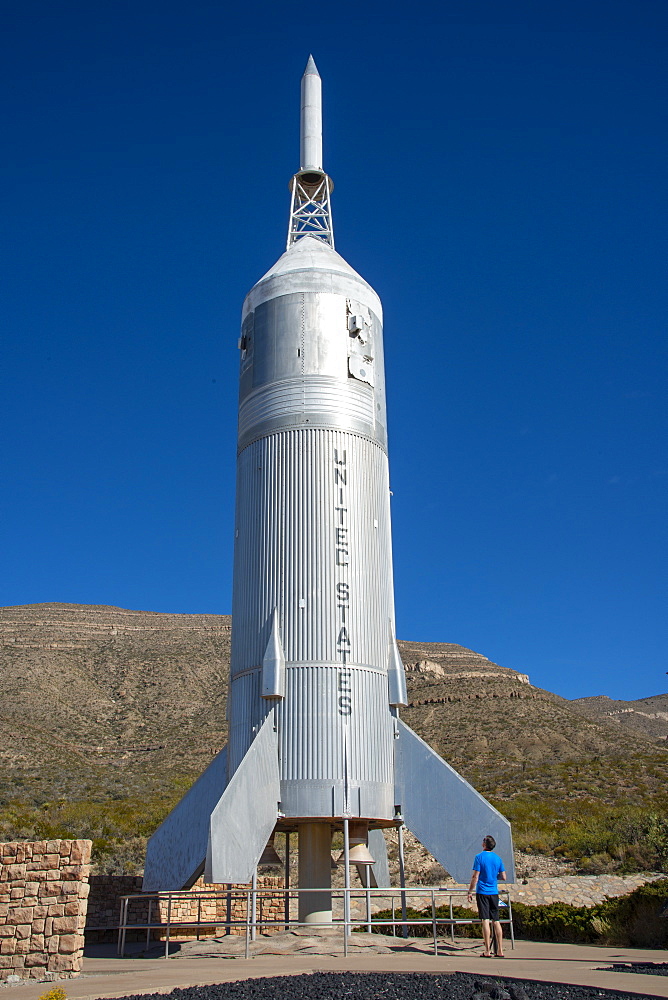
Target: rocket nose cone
x,y
311,68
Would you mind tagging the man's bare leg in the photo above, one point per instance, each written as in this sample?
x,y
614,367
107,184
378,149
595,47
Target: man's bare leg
x,y
498,934
487,935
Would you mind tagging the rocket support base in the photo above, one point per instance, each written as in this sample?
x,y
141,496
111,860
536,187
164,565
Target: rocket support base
x,y
315,872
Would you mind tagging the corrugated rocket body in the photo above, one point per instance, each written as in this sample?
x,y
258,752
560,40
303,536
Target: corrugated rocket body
x,y
313,542
315,740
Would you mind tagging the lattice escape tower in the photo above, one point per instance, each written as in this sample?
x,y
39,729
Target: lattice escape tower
x,y
311,188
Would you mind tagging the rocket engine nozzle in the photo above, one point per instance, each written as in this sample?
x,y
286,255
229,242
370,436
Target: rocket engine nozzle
x,y
358,852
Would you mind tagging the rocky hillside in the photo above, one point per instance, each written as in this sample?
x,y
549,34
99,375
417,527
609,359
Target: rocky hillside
x,y
507,736
100,703
645,716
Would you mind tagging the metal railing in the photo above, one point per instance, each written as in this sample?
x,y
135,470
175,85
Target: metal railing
x,y
250,923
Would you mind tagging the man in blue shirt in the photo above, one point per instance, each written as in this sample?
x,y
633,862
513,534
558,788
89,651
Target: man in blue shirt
x,y
487,869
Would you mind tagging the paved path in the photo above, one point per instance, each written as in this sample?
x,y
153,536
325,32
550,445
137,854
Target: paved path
x,y
107,976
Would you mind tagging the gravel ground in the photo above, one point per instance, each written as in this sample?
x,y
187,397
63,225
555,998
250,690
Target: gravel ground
x,y
389,986
647,968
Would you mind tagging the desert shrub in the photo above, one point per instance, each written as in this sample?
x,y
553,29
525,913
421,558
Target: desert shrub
x,y
656,835
425,930
598,837
118,828
555,922
597,864
114,818
639,920
552,922
119,857
628,839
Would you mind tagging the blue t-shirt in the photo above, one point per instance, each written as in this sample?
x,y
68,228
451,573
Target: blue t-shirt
x,y
489,865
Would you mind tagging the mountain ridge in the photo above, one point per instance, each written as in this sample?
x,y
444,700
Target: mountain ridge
x,y
101,701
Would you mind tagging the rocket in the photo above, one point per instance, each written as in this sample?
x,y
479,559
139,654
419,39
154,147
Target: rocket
x,y
316,743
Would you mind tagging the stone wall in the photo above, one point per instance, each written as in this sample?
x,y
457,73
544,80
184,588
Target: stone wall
x,y
43,902
230,906
188,907
104,904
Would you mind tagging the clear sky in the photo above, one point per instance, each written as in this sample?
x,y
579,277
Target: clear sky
x,y
500,173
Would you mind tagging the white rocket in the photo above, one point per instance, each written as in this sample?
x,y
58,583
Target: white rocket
x,y
316,678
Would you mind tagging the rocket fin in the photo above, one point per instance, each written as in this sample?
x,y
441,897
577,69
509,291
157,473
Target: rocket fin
x,y
380,871
273,663
246,813
396,675
444,812
176,851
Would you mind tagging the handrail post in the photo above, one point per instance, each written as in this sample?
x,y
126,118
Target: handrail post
x,y
169,920
121,929
248,906
346,890
254,905
433,921
402,878
148,924
287,881
452,923
199,913
510,917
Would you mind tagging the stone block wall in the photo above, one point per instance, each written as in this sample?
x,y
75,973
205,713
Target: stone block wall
x,y
188,907
228,907
104,905
43,903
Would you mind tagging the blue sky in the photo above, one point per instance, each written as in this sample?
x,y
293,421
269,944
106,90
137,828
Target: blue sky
x,y
500,180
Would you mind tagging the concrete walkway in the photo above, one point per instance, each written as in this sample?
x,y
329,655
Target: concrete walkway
x,y
107,976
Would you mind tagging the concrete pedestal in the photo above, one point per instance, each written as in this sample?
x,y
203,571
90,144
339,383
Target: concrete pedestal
x,y
315,872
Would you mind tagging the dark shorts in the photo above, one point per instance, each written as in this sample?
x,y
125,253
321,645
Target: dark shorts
x,y
488,906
